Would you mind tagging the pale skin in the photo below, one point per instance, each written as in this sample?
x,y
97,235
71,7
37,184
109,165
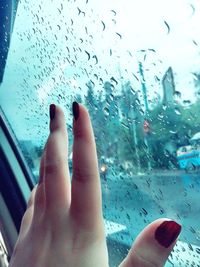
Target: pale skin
x,y
63,224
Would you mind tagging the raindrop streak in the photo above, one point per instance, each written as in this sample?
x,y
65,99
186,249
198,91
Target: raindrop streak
x,y
193,10
96,59
88,54
114,12
177,111
113,80
125,126
195,42
136,77
104,26
168,28
186,102
106,111
144,211
118,34
177,94
152,50
80,12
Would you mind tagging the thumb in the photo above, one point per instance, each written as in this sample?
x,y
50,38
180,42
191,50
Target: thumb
x,y
153,245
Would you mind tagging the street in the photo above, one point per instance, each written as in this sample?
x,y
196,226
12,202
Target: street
x,y
130,203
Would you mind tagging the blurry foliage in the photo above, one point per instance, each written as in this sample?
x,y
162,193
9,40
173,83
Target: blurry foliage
x,y
118,125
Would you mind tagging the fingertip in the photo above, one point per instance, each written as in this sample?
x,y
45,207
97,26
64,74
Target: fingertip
x,y
57,118
75,110
162,232
82,126
52,111
154,244
79,111
167,233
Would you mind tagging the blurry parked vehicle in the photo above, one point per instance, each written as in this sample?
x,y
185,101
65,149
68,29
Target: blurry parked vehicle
x,y
189,156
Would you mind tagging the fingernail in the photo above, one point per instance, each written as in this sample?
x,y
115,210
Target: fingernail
x,y
52,111
75,109
167,233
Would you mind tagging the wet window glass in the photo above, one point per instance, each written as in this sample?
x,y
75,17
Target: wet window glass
x,y
136,66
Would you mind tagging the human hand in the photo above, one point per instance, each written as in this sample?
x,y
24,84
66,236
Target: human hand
x,y
63,224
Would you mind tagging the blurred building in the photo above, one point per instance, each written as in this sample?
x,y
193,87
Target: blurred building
x,y
168,88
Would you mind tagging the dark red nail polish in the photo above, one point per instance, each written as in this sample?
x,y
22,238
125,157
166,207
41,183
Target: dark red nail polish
x,y
52,111
167,233
75,109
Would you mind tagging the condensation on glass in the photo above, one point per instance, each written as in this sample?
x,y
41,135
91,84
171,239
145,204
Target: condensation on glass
x,y
136,68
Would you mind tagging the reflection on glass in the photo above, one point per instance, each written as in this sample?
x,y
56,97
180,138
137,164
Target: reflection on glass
x,y
136,67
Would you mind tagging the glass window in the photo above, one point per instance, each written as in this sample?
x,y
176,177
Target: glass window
x,y
135,65
3,253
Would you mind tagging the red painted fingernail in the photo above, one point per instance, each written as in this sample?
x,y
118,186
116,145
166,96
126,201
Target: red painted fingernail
x,y
167,233
75,109
52,111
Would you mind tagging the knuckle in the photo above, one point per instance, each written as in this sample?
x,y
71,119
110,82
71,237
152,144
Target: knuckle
x,y
82,174
54,166
143,260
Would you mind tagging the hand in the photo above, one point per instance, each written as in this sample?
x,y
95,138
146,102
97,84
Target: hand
x,y
63,225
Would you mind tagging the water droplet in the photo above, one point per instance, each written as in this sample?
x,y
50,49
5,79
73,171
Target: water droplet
x,y
144,211
177,94
106,111
113,80
88,54
193,9
100,81
104,26
141,111
198,250
96,76
119,35
113,12
125,125
172,132
137,101
156,78
80,12
194,42
186,102
177,111
168,28
96,59
160,116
